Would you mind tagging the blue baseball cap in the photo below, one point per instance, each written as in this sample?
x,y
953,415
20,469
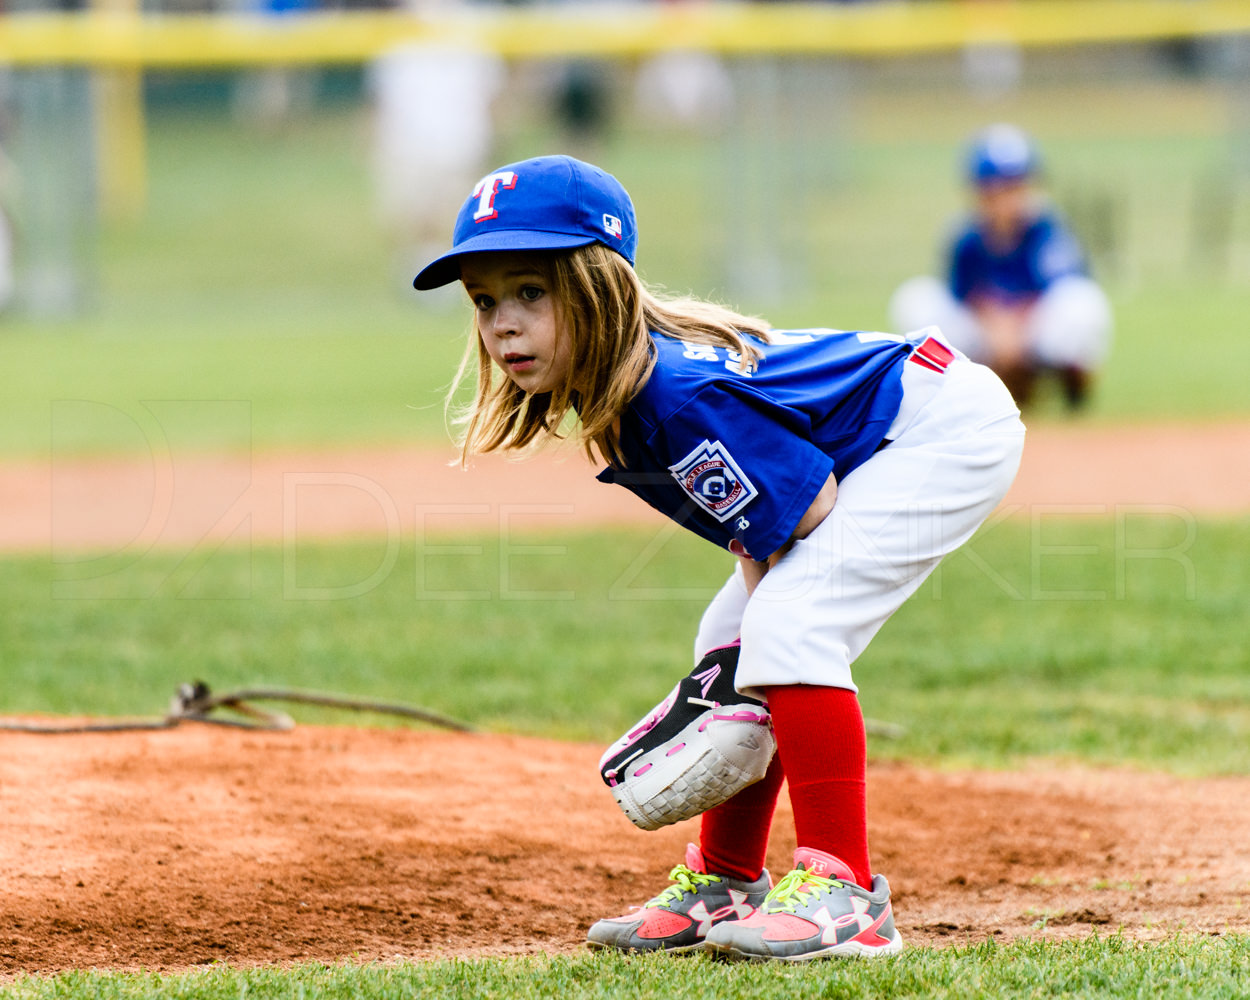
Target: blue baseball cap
x,y
546,203
1001,153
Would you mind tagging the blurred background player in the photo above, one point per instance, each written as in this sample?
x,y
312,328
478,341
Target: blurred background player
x,y
1018,296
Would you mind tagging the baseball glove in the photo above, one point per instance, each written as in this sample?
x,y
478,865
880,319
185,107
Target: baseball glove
x,y
701,745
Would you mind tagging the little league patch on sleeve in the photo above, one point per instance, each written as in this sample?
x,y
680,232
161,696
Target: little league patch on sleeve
x,y
713,480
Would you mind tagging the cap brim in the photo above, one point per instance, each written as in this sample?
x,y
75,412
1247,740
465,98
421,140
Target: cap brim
x,y
446,268
1005,176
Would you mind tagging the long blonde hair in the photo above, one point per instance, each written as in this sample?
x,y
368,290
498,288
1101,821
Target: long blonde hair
x,y
608,315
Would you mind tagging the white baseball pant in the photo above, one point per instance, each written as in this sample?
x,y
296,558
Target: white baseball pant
x,y
955,448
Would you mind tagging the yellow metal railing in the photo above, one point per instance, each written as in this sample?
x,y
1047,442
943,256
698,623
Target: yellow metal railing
x,y
109,38
117,40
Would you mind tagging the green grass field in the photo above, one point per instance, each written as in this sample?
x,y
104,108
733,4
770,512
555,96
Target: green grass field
x,y
1096,967
1067,642
259,274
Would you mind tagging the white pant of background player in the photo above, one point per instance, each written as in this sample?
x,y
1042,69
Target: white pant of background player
x,y
955,448
1070,326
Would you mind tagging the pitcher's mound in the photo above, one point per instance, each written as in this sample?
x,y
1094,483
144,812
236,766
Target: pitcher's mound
x,y
171,849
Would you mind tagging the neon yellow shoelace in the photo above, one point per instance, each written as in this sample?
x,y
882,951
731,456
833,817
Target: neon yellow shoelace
x,y
787,894
684,880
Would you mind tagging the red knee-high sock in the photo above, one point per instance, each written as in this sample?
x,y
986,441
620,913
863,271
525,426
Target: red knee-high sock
x,y
822,745
734,835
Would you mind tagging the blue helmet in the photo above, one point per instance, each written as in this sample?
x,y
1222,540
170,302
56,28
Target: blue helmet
x,y
1001,153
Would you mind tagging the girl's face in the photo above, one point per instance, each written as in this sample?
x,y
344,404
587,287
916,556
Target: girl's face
x,y
517,318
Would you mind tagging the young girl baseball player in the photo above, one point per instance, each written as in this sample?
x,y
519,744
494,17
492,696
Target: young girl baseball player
x,y
839,467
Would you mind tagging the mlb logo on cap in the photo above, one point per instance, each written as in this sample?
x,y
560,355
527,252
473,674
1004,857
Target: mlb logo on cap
x,y
546,203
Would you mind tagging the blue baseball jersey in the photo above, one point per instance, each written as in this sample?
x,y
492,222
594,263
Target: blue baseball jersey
x,y
1045,252
741,455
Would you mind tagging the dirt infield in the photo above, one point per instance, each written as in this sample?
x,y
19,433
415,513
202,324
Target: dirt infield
x,y
172,849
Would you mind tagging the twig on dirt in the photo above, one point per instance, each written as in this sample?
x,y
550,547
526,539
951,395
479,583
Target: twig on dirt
x,y
195,702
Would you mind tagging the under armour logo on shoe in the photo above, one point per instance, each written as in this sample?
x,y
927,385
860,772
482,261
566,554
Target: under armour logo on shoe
x,y
859,918
738,908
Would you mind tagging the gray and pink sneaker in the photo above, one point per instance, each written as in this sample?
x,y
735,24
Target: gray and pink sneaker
x,y
679,918
817,911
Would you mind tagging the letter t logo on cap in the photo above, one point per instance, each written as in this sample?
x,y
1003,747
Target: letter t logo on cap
x,y
485,192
